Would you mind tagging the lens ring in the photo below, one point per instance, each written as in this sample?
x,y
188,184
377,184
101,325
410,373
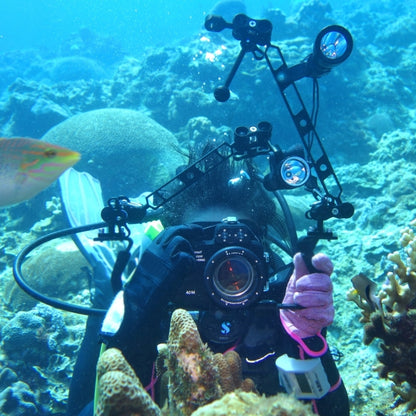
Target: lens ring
x,y
234,277
241,131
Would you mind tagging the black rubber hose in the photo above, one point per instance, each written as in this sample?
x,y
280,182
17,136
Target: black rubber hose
x,y
17,271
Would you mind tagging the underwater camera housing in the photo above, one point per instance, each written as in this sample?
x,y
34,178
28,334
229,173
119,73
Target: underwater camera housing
x,y
231,268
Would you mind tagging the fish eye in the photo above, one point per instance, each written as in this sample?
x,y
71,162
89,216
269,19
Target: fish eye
x,y
50,152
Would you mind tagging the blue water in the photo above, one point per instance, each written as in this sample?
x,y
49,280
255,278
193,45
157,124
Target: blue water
x,y
136,23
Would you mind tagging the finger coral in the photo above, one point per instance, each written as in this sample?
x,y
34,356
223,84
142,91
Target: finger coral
x,y
399,294
395,326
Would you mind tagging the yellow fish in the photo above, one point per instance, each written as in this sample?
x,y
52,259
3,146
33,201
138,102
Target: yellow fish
x,y
27,166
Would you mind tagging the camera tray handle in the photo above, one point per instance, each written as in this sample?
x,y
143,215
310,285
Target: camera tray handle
x,y
306,244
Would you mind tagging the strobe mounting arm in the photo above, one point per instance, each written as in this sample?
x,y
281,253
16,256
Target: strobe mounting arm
x,y
255,35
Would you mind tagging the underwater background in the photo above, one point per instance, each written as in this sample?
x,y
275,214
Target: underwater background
x,y
62,60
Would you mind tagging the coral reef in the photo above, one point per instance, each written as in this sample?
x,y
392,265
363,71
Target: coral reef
x,y
120,391
374,108
32,107
230,373
199,382
396,325
193,375
241,403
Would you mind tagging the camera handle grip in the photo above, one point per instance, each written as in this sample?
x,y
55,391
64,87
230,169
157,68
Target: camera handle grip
x,y
306,246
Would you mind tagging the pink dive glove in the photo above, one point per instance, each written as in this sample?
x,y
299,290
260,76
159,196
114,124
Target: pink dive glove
x,y
314,292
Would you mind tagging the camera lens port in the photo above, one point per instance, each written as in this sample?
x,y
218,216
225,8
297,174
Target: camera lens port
x,y
234,277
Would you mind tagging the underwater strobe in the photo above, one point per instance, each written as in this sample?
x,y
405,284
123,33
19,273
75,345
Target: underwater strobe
x,y
287,169
332,46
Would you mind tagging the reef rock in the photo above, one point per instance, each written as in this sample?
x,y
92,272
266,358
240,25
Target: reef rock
x,y
33,336
241,403
126,150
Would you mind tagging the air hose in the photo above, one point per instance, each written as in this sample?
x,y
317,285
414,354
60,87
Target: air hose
x,y
20,258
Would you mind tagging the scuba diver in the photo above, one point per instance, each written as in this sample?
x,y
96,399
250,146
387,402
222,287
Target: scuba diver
x,y
224,253
240,311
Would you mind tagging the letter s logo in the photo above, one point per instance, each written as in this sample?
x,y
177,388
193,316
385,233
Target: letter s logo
x,y
225,327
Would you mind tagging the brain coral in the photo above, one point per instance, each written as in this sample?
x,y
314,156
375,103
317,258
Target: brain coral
x,y
126,150
120,391
59,271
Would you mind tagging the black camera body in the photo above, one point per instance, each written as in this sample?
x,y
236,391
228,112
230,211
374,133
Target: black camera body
x,y
231,268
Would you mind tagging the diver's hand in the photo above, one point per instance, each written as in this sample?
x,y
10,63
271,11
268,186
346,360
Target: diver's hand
x,y
162,267
160,271
313,291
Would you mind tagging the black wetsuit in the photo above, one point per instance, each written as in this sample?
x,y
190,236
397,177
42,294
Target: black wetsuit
x,y
262,340
255,332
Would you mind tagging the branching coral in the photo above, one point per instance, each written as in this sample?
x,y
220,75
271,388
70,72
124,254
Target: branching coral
x,y
399,294
396,325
